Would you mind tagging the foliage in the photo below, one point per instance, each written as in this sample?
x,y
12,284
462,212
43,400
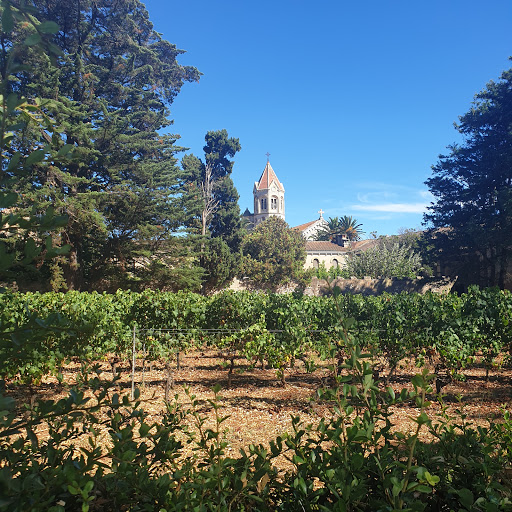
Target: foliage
x,y
219,263
226,221
40,332
338,229
471,216
26,241
174,267
213,202
329,274
391,257
219,150
357,458
273,254
110,98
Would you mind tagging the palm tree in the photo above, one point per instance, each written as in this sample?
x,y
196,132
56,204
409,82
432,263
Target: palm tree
x,y
345,227
326,233
350,228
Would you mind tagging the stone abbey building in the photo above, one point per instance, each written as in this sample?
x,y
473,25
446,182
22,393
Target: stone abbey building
x,y
269,201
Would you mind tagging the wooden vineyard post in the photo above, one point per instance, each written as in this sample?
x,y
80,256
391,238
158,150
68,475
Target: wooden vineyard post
x,y
143,379
169,383
133,364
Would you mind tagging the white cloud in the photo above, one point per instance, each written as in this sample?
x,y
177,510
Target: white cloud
x,y
382,195
391,198
391,207
383,202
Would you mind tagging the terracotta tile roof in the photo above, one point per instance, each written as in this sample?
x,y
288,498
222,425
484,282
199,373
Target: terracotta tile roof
x,y
363,245
325,246
302,227
268,177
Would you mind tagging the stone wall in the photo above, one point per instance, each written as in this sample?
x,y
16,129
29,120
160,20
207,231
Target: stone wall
x,y
370,286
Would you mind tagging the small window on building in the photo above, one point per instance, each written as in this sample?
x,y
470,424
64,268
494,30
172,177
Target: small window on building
x,y
316,263
273,203
263,204
335,263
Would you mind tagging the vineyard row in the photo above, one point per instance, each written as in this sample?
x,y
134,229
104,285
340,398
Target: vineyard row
x,y
40,332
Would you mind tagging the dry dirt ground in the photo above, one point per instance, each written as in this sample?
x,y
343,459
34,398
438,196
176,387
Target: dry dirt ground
x,y
260,408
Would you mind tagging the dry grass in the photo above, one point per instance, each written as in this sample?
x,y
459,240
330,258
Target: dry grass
x,y
260,409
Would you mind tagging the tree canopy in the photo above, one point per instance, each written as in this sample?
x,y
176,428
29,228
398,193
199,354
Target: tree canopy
x,y
273,254
212,200
109,90
25,240
471,218
216,208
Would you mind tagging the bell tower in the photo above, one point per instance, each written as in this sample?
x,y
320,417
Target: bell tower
x,y
268,195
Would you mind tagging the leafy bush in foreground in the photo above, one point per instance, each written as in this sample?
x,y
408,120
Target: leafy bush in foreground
x,y
356,460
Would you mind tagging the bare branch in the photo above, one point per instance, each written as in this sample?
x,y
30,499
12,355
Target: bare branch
x,y
210,203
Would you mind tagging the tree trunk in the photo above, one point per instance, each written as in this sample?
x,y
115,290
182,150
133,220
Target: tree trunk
x,y
71,273
203,222
169,381
503,262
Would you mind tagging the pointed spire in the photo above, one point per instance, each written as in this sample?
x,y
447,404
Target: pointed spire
x,y
268,177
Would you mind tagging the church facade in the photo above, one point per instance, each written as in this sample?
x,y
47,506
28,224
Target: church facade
x,y
320,252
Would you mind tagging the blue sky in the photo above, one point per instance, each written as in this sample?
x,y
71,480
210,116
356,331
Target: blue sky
x,y
354,101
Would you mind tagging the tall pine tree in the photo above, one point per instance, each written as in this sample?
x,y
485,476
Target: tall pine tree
x,y
111,91
213,199
472,215
224,221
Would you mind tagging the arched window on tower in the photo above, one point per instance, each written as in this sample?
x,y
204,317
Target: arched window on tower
x,y
273,203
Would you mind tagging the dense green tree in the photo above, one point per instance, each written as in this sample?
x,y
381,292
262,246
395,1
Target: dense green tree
x,y
111,90
337,229
25,239
210,183
218,150
273,254
213,201
471,217
219,264
226,222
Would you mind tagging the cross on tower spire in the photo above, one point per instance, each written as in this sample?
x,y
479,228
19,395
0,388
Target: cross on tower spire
x,y
321,212
268,156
